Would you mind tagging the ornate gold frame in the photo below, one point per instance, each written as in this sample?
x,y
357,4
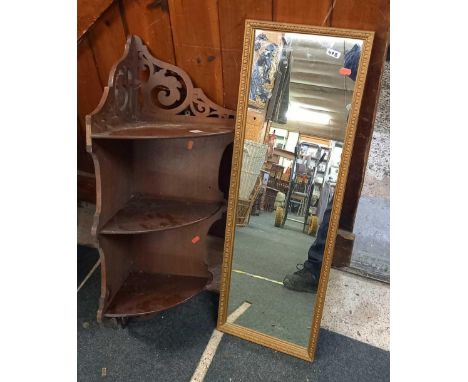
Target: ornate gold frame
x,y
306,353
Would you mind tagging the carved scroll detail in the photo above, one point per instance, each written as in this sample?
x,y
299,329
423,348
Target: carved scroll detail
x,y
119,102
141,87
169,90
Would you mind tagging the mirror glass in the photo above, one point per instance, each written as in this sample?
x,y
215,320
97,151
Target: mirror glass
x,y
300,94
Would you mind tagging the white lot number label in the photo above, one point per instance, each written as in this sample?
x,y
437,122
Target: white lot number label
x,y
334,53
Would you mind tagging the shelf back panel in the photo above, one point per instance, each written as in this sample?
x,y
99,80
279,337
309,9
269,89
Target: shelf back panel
x,y
182,251
179,168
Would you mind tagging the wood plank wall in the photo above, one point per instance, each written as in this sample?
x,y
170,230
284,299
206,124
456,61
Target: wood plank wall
x,y
204,37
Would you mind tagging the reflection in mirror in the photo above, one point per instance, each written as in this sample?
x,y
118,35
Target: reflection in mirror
x,y
300,94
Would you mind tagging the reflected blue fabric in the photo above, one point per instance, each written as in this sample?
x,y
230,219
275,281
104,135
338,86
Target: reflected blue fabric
x,y
315,254
261,71
351,60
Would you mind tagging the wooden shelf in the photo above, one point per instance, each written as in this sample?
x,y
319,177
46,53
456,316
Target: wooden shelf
x,y
145,293
161,150
147,214
283,153
157,130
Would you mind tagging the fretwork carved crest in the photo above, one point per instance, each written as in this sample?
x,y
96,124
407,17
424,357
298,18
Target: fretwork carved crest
x,y
141,87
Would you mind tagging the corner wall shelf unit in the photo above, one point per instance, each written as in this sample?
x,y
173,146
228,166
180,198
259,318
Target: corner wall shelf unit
x,y
162,156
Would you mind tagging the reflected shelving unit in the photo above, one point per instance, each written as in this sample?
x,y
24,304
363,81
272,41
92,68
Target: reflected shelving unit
x,y
161,151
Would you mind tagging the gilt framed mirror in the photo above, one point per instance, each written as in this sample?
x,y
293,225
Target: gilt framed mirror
x,y
299,99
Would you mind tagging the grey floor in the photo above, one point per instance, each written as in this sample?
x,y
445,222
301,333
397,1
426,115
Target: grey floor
x,y
277,250
371,252
168,347
275,310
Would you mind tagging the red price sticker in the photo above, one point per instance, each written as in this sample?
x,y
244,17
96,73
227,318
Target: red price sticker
x,y
345,71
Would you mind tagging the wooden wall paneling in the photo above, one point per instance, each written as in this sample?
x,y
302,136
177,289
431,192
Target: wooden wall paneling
x,y
88,12
308,12
86,182
107,40
86,187
255,126
150,20
82,155
89,93
373,15
195,31
232,16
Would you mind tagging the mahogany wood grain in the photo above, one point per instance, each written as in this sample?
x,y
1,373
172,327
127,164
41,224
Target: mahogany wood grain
x,y
181,251
113,163
151,130
146,293
107,40
184,173
151,21
142,214
195,32
160,185
116,262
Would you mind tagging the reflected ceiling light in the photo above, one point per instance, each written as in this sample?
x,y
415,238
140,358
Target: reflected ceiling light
x,y
297,113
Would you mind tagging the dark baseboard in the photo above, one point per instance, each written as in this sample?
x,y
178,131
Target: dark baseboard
x,y
343,249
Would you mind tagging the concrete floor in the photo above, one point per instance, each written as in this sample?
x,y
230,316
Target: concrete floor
x,y
359,308
371,252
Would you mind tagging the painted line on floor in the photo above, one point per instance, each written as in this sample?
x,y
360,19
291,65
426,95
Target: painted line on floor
x,y
238,312
257,276
212,346
89,274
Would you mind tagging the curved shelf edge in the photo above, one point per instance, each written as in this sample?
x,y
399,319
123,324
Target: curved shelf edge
x,y
164,131
145,293
145,215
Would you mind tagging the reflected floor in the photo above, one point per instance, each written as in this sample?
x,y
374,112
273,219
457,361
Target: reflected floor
x,y
261,249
